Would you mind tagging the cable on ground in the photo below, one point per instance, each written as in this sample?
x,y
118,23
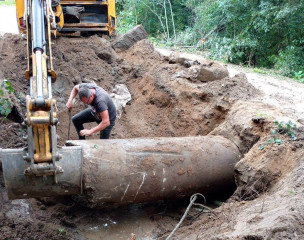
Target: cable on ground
x,y
192,202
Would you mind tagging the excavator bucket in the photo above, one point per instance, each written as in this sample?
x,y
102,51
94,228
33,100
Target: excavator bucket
x,y
20,185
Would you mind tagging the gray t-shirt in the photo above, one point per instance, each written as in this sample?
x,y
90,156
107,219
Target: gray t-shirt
x,y
101,102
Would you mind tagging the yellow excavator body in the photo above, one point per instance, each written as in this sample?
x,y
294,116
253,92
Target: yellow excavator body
x,y
72,17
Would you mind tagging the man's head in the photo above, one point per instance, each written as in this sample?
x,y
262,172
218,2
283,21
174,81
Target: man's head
x,y
85,95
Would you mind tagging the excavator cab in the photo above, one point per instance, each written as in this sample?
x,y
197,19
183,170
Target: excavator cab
x,y
74,17
87,16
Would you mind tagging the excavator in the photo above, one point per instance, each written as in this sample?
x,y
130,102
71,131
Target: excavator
x,y
108,172
70,17
42,165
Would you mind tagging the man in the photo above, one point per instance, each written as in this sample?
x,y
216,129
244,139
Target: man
x,y
102,110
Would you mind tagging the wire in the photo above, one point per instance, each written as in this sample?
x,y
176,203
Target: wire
x,y
192,200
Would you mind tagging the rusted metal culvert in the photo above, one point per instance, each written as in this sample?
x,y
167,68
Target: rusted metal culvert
x,y
120,172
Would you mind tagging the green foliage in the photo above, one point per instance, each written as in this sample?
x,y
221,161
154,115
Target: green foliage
x,y
154,15
262,33
275,140
62,232
5,105
7,3
290,61
185,38
286,128
259,33
221,49
126,19
261,114
281,128
299,76
259,70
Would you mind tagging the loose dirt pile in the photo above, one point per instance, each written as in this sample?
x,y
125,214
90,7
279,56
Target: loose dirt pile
x,y
169,99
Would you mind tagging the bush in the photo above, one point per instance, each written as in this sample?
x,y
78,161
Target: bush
x,y
7,3
186,38
261,33
5,105
290,61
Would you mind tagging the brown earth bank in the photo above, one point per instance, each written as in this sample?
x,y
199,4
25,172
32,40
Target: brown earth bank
x,y
171,97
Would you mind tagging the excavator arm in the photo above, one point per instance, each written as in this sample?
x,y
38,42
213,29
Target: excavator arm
x,y
41,115
41,169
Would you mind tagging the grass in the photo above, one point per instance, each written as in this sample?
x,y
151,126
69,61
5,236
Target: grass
x,y
300,80
62,231
259,70
7,3
299,76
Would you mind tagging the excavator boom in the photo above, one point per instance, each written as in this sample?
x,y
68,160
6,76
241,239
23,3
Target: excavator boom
x,y
40,164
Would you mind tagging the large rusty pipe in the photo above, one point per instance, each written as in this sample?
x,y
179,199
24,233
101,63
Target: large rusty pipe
x,y
119,172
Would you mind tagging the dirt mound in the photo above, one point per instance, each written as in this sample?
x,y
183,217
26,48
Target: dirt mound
x,y
167,103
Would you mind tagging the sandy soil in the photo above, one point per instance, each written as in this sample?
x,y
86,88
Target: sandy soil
x,y
278,91
268,201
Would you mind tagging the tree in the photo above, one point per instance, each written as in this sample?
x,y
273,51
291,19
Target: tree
x,y
265,33
157,16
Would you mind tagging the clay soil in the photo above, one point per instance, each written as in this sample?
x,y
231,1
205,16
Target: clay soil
x,y
268,200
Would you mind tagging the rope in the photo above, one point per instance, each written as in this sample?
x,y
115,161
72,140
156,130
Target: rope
x,y
192,200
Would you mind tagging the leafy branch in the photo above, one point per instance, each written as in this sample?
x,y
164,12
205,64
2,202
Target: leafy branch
x,y
286,128
5,104
282,128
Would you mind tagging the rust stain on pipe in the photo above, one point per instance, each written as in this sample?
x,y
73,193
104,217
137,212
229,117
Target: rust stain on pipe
x,y
124,171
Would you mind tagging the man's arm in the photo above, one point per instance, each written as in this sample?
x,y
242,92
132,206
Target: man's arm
x,y
73,94
104,123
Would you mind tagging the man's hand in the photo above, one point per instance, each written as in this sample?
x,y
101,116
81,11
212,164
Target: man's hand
x,y
85,132
73,94
69,105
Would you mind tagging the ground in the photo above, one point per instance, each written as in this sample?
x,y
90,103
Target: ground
x,y
168,101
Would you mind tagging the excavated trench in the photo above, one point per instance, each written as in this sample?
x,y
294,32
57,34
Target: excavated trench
x,y
171,97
